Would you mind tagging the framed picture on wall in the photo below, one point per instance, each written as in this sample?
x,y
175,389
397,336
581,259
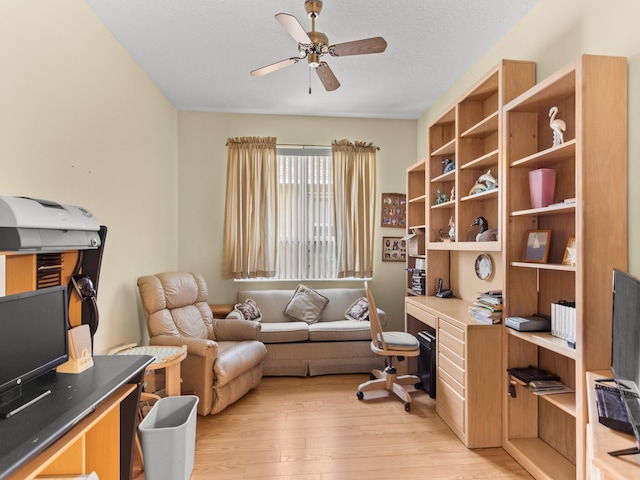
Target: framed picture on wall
x,y
394,249
394,210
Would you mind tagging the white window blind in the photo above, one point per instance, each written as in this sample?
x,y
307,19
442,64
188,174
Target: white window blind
x,y
306,234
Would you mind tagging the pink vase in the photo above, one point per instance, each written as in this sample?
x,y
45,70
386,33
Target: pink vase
x,y
542,185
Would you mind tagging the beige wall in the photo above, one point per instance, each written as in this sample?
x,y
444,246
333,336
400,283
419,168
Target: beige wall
x,y
554,34
203,155
81,124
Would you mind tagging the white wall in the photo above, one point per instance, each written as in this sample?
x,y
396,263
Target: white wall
x,y
554,34
203,157
82,124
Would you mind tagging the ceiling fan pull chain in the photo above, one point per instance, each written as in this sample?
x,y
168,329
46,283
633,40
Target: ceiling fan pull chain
x,y
309,81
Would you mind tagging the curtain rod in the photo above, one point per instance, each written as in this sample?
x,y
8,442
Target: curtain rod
x,y
301,146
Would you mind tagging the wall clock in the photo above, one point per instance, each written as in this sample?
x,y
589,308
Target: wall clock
x,y
484,266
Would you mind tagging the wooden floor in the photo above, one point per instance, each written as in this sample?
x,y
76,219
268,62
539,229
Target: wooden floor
x,y
315,428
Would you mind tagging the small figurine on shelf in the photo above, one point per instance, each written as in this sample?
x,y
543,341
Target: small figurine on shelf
x,y
452,197
441,197
558,126
442,236
449,165
486,234
452,230
485,182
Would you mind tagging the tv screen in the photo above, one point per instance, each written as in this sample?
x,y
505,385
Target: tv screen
x,y
625,345
33,337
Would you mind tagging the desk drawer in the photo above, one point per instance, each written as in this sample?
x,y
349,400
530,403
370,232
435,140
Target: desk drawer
x,y
452,364
422,315
451,342
451,403
451,330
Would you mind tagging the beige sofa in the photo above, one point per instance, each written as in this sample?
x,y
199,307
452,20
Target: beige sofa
x,y
331,345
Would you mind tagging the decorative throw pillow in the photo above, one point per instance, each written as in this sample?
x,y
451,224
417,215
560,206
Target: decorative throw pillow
x,y
359,310
249,310
306,305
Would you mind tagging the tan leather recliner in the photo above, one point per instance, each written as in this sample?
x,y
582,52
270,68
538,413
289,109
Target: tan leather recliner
x,y
224,358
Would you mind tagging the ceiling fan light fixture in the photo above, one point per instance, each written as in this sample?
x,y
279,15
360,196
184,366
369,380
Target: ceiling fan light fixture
x,y
314,60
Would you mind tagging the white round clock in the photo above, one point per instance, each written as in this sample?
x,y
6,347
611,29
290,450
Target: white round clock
x,y
484,266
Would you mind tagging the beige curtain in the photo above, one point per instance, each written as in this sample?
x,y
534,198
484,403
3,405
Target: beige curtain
x,y
354,191
251,210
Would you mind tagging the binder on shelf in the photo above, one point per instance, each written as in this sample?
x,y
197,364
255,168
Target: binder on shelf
x,y
563,321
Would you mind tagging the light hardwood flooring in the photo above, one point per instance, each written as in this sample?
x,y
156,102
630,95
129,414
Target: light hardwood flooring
x,y
315,428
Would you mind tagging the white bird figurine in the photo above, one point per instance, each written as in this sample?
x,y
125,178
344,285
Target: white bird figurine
x,y
486,234
558,126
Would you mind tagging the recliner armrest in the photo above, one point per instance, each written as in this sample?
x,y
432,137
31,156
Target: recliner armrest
x,y
195,346
236,329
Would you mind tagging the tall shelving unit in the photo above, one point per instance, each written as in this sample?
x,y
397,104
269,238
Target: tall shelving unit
x,y
468,133
416,215
547,433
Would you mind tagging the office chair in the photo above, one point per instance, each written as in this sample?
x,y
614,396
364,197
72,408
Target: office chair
x,y
389,345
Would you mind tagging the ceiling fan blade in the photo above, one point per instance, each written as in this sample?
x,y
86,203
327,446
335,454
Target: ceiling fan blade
x,y
293,27
326,76
274,66
359,47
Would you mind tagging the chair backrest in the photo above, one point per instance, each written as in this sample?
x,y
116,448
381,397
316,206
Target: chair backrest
x,y
175,303
376,328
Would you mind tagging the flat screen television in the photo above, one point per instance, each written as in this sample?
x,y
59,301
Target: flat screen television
x,y
625,347
33,341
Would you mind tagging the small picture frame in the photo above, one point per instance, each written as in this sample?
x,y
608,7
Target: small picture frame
x,y
394,210
536,247
570,252
394,249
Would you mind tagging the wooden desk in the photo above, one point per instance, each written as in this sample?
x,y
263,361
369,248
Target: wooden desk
x,y
86,424
601,440
469,367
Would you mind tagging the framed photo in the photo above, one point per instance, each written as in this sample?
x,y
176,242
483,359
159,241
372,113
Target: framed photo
x,y
536,248
394,210
394,249
570,251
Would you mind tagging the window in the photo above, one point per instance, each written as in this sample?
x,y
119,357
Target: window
x,y
306,233
298,215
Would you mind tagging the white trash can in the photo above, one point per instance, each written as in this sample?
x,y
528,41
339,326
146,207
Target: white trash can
x,y
169,438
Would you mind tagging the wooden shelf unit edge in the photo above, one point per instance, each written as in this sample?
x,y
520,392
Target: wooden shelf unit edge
x,y
482,196
538,458
545,340
488,159
466,246
562,152
485,127
448,148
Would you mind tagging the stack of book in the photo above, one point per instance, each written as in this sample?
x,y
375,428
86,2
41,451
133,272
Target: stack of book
x,y
488,307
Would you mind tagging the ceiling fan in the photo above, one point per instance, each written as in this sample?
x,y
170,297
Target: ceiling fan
x,y
313,45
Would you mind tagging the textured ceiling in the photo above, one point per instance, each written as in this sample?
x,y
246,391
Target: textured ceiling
x,y
200,52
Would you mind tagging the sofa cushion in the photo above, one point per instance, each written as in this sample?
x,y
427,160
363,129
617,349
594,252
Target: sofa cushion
x,y
359,310
249,310
340,330
284,332
306,305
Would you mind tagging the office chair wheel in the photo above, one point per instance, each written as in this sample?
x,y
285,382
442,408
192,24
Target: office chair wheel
x,y
360,395
407,407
